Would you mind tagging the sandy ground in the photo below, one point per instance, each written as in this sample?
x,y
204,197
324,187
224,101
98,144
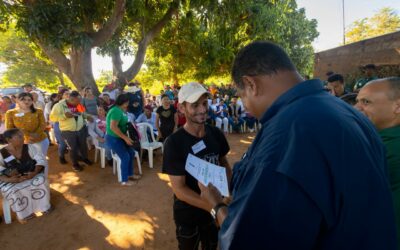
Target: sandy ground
x,y
92,211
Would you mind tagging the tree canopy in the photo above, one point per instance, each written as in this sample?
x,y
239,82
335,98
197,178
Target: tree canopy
x,y
183,39
385,21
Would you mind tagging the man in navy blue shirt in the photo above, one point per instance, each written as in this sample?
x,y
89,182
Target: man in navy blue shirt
x,y
315,175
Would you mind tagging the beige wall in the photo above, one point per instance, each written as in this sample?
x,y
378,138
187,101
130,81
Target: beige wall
x,y
382,50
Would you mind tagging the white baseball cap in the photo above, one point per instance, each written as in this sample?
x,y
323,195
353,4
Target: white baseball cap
x,y
191,92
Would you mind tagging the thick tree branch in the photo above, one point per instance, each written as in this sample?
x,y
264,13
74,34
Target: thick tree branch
x,y
144,43
106,32
57,57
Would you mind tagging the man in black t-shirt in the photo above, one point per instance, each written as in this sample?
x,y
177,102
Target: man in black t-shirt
x,y
194,223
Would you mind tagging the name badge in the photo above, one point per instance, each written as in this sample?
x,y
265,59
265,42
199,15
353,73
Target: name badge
x,y
198,147
8,159
19,114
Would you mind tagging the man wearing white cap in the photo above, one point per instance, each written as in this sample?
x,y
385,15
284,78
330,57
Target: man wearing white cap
x,y
193,223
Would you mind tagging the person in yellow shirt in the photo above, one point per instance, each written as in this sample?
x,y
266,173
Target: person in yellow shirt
x,y
30,121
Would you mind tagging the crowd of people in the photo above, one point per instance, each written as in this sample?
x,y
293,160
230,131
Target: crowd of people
x,y
320,174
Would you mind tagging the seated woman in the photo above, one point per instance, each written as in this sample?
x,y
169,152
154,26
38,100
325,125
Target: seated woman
x,y
97,130
118,140
22,181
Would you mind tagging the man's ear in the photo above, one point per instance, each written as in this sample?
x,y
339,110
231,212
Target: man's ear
x,y
250,85
397,107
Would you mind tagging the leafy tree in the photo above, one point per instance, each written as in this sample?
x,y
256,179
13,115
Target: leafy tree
x,y
66,31
201,42
25,63
384,21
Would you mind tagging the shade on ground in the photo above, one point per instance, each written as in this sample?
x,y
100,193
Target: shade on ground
x,y
94,212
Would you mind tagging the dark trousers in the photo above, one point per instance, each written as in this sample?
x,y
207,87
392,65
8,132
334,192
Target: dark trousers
x,y
77,142
190,236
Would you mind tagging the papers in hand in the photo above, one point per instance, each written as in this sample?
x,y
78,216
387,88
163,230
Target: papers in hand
x,y
206,172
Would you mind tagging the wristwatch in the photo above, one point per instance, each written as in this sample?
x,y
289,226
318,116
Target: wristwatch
x,y
215,209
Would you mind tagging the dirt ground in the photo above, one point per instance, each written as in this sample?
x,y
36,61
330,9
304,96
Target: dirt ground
x,y
92,211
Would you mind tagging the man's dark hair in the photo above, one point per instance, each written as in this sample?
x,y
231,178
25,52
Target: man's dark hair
x,y
260,58
164,95
336,78
28,85
121,99
74,93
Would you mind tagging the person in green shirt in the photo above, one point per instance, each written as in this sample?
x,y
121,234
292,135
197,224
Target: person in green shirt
x,y
379,100
118,140
369,71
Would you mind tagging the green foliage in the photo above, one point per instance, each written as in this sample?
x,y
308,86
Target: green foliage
x,y
384,21
25,63
202,41
104,78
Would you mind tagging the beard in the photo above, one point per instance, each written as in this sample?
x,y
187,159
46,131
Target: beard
x,y
196,118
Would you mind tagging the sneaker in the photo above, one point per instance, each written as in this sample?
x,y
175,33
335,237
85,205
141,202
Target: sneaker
x,y
87,161
135,177
127,183
77,168
62,160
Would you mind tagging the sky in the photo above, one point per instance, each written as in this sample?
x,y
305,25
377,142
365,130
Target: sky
x,y
328,14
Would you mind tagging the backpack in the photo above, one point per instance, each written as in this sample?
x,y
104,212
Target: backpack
x,y
134,135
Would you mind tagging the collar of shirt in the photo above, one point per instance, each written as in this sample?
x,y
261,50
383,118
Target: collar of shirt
x,y
302,89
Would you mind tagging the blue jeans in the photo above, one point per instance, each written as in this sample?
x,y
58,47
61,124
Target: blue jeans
x,y
125,153
250,121
236,126
60,140
108,151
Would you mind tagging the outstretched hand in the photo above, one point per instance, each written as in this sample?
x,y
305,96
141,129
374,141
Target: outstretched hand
x,y
210,195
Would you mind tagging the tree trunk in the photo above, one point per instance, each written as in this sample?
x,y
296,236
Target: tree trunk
x,y
60,76
81,69
118,74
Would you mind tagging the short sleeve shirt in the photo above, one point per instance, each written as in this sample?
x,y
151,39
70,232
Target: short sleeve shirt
x,y
176,149
116,114
166,116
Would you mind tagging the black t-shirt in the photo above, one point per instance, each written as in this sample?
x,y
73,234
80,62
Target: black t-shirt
x,y
166,116
176,149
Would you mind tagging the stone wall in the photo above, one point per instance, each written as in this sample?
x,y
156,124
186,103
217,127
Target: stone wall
x,y
382,50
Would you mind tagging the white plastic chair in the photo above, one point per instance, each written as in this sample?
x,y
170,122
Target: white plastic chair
x,y
102,155
117,164
145,142
6,211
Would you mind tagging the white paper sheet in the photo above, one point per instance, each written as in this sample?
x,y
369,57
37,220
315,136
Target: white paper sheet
x,y
206,172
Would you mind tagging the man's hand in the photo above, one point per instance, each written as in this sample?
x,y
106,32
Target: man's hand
x,y
210,194
69,115
101,139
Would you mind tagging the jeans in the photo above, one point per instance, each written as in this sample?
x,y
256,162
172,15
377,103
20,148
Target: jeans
x,y
236,125
108,151
250,121
43,146
77,142
60,140
219,121
125,153
190,236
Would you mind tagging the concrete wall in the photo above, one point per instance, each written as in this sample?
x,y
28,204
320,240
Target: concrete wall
x,y
382,50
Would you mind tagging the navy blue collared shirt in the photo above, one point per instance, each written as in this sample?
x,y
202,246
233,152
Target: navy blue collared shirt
x,y
314,178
